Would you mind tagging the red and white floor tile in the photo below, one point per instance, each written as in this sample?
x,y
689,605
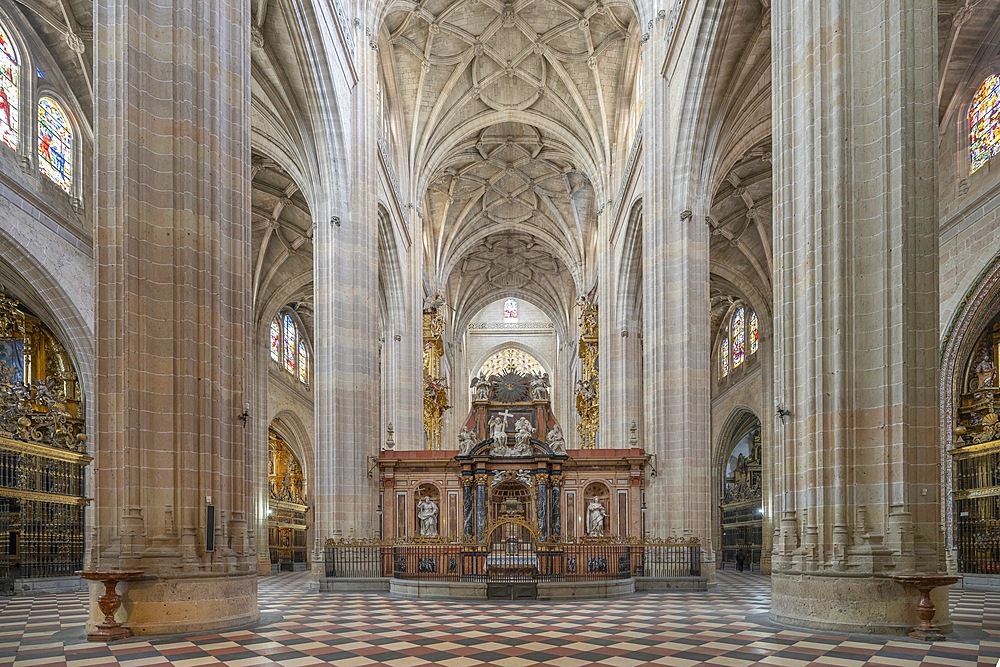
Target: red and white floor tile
x,y
723,627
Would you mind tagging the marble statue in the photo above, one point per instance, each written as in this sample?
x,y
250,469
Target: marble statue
x,y
498,431
482,387
556,441
466,441
595,518
539,388
522,444
427,514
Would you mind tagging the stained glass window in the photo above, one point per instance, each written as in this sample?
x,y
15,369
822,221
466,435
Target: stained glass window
x,y
984,123
724,355
303,363
275,340
754,333
55,143
8,91
510,310
739,338
289,344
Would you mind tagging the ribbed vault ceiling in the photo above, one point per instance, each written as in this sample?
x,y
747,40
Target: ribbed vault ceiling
x,y
509,111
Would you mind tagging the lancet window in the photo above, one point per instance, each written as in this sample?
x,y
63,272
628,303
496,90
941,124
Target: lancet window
x,y
9,100
288,347
510,310
55,143
984,123
739,340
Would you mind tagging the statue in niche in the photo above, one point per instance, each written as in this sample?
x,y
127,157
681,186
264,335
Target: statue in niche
x,y
595,518
427,514
482,387
556,440
984,372
539,388
522,445
466,441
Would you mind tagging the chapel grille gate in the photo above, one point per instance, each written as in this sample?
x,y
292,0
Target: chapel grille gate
x,y
513,563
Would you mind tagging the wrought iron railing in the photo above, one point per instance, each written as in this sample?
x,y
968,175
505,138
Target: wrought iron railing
x,y
595,560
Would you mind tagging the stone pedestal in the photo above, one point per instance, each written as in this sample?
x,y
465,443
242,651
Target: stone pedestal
x,y
109,603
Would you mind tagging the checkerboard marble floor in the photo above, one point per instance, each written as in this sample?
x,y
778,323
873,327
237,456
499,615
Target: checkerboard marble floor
x,y
723,627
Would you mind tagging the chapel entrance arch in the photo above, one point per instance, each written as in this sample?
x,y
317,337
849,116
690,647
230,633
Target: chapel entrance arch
x,y
741,495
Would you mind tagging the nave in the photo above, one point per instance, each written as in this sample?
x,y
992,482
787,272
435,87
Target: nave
x,y
726,626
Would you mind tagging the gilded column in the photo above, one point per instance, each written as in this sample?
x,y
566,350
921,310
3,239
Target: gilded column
x,y
173,359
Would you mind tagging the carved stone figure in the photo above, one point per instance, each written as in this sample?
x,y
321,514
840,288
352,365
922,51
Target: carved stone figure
x,y
427,514
522,445
556,440
595,518
466,441
540,388
482,387
498,431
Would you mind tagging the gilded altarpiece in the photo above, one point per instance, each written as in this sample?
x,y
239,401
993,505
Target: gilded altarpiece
x,y
587,386
43,453
976,460
286,514
435,385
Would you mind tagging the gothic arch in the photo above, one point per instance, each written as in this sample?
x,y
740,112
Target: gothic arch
x,y
629,301
289,425
474,367
36,287
979,306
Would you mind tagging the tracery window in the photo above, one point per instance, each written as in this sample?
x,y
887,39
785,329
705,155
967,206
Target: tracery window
x,y
510,310
288,347
55,143
984,123
275,340
734,337
8,90
739,338
290,336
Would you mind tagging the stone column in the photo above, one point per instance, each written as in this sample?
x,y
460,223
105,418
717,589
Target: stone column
x,y
468,507
172,249
555,527
542,504
345,269
856,310
676,326
481,513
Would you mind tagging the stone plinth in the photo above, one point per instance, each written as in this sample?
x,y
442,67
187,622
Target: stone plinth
x,y
863,604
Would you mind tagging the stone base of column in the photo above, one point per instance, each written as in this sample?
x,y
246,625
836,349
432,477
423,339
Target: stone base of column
x,y
263,566
862,604
173,606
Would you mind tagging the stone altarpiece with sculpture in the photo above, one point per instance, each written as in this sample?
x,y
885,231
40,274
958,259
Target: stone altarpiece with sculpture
x,y
511,460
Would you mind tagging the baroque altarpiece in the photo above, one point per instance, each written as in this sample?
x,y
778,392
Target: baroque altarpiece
x,y
43,453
